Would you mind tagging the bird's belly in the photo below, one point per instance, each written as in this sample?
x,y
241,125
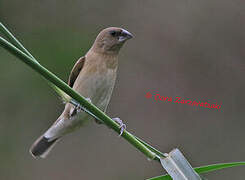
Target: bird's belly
x,y
98,87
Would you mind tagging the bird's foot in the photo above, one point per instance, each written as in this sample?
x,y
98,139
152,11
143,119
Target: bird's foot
x,y
121,124
89,100
78,106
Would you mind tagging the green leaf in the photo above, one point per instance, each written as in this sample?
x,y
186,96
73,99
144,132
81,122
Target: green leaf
x,y
214,167
204,169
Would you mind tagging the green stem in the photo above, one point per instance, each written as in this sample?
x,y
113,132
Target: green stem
x,y
15,41
68,90
158,153
18,44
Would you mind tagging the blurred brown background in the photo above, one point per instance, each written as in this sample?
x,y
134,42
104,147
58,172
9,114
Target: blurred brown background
x,y
188,48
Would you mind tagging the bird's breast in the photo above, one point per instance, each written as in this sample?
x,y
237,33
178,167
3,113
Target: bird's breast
x,y
96,83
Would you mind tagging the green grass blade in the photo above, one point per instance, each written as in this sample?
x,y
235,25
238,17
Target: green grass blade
x,y
204,169
159,153
12,39
214,167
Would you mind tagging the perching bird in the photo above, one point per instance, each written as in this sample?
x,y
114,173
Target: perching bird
x,y
93,76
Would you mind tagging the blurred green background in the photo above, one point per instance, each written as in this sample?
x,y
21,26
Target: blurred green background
x,y
193,49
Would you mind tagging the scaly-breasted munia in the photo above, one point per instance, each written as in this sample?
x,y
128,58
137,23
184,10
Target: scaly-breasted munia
x,y
93,76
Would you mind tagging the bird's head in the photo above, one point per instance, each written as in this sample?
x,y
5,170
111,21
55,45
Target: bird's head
x,y
111,39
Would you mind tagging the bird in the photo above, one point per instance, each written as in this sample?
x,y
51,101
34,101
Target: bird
x,y
93,76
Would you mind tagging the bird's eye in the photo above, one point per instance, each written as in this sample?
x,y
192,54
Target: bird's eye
x,y
113,33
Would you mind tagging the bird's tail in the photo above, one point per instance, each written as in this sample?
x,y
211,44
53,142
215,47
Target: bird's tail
x,y
42,146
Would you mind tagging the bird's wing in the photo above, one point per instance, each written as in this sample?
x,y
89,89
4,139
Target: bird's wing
x,y
76,70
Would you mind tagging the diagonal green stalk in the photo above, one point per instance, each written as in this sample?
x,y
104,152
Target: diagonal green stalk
x,y
14,41
157,152
18,44
73,94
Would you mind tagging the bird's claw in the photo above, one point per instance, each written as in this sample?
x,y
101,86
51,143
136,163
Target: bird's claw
x,y
121,124
89,100
78,106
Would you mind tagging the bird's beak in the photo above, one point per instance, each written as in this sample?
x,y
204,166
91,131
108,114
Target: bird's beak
x,y
125,35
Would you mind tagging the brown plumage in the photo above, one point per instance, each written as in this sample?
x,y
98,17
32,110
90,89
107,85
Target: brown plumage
x,y
93,76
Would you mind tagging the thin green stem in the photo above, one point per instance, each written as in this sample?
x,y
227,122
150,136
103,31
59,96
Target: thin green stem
x,y
68,90
18,44
158,153
14,40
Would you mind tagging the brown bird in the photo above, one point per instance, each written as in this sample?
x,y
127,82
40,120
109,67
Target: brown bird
x,y
93,76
